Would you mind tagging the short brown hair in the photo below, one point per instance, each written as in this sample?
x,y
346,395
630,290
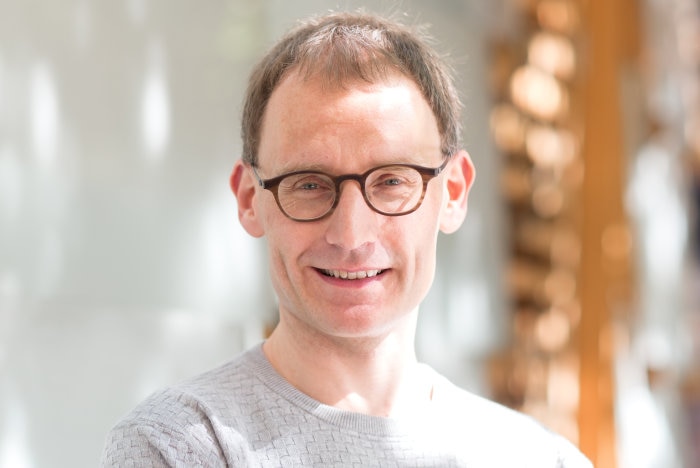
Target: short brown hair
x,y
340,47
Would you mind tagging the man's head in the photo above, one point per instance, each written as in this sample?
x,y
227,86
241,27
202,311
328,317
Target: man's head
x,y
353,176
343,47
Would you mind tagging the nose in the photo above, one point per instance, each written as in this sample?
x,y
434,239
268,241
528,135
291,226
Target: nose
x,y
353,224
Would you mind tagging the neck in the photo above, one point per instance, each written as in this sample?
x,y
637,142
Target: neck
x,y
376,376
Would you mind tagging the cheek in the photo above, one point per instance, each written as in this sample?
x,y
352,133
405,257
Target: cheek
x,y
430,218
417,240
279,237
284,275
287,242
425,255
282,245
424,233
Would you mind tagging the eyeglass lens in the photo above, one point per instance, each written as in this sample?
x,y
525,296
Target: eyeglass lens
x,y
389,190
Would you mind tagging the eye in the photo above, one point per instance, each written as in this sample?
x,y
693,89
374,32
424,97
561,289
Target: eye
x,y
394,177
391,181
306,185
310,182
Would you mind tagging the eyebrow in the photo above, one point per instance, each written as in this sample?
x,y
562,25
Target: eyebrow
x,y
317,167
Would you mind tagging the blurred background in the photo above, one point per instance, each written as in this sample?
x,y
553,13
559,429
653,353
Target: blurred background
x,y
571,293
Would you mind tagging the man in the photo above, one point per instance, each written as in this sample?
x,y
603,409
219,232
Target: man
x,y
351,166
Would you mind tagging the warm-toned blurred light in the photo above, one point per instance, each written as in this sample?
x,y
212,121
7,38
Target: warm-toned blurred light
x,y
552,330
524,320
538,93
516,183
560,286
550,147
573,311
547,200
616,241
557,242
518,378
507,128
504,58
692,132
561,423
558,15
553,54
525,280
536,378
572,176
563,385
534,236
688,39
565,248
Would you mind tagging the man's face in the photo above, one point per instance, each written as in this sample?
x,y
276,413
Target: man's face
x,y
310,126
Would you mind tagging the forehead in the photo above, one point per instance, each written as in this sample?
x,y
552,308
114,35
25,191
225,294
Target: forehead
x,y
309,122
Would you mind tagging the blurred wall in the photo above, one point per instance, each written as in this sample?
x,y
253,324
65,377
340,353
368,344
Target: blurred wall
x,y
122,264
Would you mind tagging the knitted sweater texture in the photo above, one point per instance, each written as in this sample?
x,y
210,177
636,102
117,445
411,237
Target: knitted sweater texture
x,y
244,414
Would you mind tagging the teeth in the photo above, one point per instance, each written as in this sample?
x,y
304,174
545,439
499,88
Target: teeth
x,y
351,275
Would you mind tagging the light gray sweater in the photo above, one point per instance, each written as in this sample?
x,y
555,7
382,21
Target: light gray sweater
x,y
245,414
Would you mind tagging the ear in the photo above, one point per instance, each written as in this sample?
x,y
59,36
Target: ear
x,y
460,176
243,186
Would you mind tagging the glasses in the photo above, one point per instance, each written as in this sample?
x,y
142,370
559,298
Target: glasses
x,y
391,190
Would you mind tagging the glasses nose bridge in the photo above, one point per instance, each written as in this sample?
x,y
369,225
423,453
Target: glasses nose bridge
x,y
359,178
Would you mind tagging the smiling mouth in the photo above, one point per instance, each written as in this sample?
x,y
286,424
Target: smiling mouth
x,y
352,275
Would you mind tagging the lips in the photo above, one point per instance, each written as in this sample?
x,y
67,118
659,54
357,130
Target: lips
x,y
352,275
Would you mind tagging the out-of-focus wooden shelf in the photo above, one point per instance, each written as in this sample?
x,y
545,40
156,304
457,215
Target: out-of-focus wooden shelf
x,y
611,43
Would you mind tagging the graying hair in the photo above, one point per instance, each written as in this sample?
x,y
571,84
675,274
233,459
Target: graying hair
x,y
341,47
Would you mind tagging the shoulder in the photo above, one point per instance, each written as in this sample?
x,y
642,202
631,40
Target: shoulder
x,y
182,424
166,429
494,435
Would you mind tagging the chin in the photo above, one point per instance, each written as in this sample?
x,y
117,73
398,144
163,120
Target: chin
x,y
366,323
